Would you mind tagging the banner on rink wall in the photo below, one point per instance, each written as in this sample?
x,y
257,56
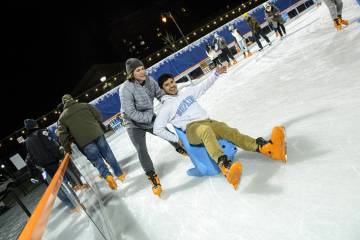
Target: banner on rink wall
x,y
192,54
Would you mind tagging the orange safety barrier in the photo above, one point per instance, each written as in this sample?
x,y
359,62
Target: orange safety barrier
x,y
36,225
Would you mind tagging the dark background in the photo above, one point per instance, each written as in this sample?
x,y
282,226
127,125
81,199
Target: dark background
x,y
47,50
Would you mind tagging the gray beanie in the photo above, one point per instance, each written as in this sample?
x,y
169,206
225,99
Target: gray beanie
x,y
66,98
131,64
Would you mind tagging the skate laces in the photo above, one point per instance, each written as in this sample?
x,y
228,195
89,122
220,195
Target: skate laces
x,y
261,141
152,178
224,161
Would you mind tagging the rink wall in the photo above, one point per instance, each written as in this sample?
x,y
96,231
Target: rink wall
x,y
182,62
194,53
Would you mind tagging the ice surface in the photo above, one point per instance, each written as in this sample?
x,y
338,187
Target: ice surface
x,y
309,82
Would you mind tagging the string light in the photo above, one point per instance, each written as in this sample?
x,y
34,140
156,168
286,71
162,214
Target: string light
x,y
96,89
87,95
44,118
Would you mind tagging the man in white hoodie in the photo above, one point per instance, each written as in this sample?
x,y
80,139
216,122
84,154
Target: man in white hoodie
x,y
183,111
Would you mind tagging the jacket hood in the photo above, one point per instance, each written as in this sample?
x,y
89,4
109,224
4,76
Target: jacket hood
x,y
167,97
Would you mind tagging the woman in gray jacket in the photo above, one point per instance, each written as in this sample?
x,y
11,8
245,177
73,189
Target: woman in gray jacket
x,y
137,102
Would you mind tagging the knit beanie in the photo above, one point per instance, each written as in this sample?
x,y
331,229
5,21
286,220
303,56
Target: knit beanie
x,y
131,64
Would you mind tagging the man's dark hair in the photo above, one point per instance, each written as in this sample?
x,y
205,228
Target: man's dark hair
x,y
163,78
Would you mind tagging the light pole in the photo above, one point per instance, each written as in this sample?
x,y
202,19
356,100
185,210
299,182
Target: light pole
x,y
169,15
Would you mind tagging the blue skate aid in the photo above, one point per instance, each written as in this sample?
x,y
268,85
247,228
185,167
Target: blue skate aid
x,y
204,165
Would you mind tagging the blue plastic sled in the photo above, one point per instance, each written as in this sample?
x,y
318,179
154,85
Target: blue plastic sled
x,y
204,165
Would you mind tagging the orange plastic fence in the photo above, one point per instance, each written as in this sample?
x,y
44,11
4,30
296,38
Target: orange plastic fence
x,y
36,225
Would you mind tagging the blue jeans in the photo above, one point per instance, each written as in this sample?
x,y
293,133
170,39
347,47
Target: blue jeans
x,y
242,45
62,194
51,170
97,151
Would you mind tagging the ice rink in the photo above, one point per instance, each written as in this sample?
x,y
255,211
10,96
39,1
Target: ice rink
x,y
310,83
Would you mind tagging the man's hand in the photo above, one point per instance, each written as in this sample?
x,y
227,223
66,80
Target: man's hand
x,y
221,69
181,149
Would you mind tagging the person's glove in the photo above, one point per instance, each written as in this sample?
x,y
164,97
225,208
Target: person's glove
x,y
67,148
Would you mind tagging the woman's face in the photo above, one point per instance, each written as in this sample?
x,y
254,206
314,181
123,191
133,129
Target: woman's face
x,y
140,73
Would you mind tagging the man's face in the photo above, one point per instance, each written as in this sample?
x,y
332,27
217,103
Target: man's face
x,y
140,73
170,87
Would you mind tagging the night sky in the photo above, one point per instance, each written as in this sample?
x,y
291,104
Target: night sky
x,y
48,49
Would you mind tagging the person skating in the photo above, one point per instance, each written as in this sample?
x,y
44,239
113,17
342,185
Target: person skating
x,y
81,123
274,18
335,9
256,30
212,54
240,41
225,55
72,172
182,111
137,103
45,153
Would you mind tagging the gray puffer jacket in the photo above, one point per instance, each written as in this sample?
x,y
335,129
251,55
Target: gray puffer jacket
x,y
137,102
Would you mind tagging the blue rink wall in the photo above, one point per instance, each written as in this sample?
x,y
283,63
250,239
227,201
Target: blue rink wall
x,y
109,103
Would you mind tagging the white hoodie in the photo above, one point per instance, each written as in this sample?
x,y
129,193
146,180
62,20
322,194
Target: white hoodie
x,y
182,109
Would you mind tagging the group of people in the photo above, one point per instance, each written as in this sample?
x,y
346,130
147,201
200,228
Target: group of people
x,y
43,158
182,111
276,23
219,52
81,123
